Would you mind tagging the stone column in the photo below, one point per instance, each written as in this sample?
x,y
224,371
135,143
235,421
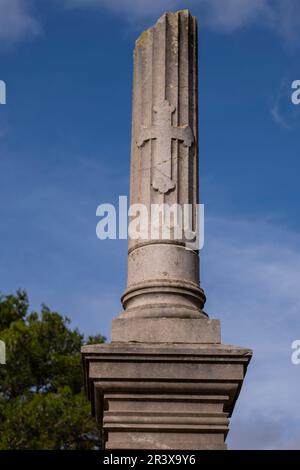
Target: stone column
x,y
165,381
163,300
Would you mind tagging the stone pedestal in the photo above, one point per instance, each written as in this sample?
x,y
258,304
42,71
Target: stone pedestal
x,y
164,396
165,381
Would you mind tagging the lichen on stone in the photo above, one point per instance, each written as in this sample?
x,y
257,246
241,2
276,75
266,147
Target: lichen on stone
x,y
185,11
143,38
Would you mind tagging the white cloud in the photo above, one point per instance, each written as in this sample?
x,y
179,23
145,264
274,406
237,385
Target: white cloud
x,y
286,19
140,8
17,20
278,117
251,277
233,14
223,14
282,16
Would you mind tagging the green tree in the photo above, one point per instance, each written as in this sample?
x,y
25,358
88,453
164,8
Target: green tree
x,y
42,403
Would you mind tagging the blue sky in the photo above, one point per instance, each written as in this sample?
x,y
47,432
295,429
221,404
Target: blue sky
x,y
65,149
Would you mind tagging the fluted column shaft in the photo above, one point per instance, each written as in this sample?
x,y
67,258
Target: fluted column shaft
x,y
163,275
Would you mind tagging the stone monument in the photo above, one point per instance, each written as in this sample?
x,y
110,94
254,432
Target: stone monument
x,y
165,381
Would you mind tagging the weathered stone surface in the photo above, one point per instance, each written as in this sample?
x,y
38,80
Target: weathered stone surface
x,y
164,396
166,330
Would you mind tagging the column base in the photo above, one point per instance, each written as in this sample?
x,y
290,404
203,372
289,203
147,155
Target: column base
x,y
165,330
159,396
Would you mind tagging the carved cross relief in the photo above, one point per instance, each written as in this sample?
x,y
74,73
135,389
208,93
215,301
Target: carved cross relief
x,y
163,132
